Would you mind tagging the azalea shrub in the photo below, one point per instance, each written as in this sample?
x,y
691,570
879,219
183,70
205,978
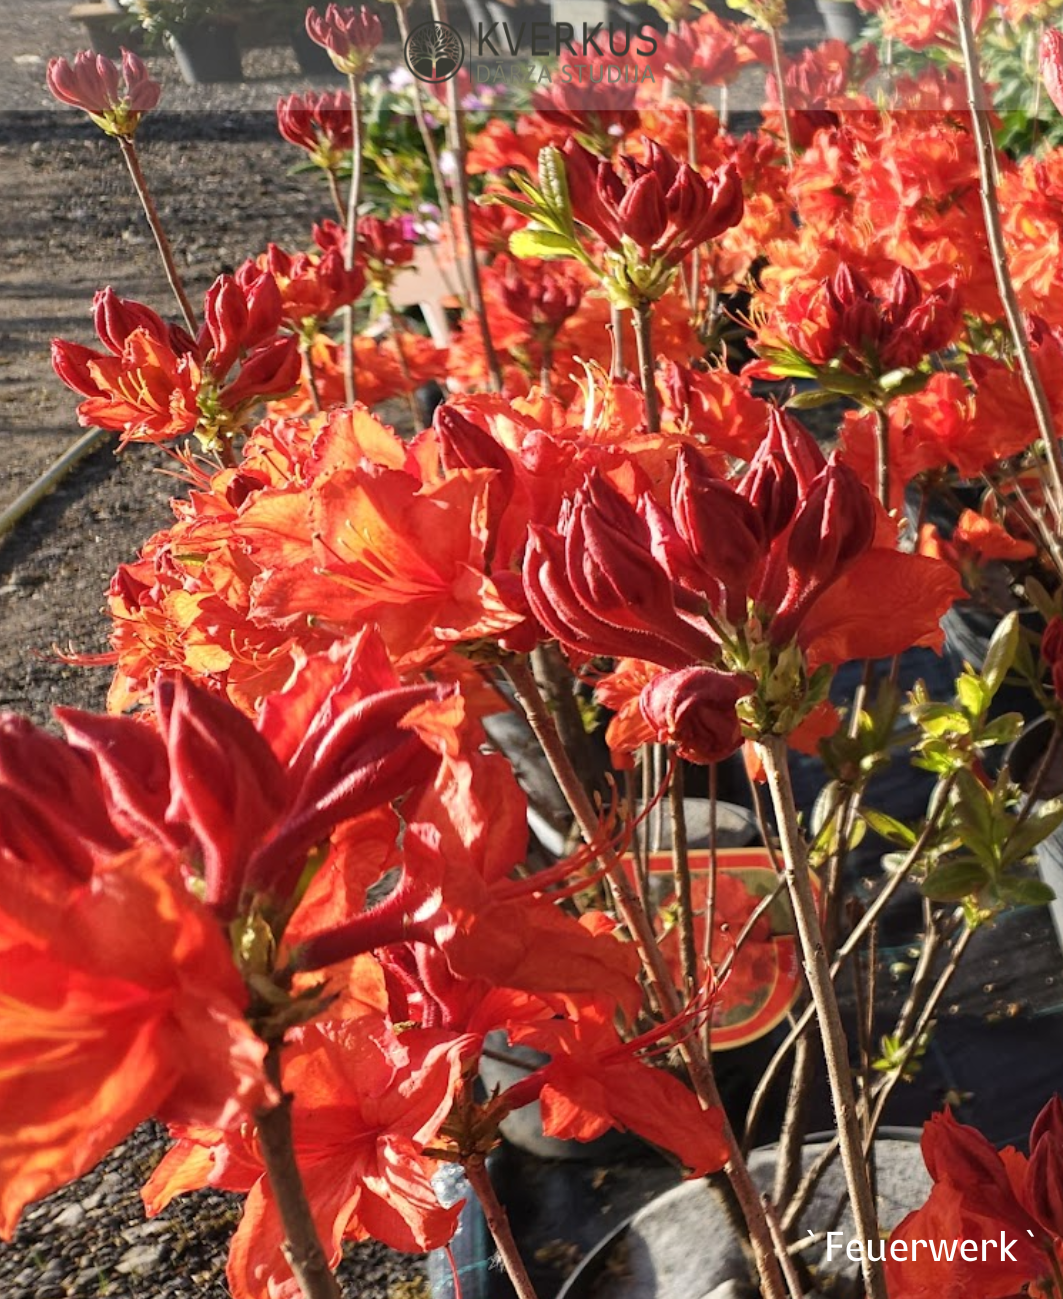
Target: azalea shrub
x,y
281,893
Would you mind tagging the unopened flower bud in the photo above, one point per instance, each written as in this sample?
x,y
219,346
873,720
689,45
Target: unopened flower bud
x,y
116,318
1044,1183
272,370
115,100
723,530
694,709
349,35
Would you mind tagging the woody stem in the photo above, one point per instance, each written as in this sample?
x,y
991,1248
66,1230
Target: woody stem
x,y
695,256
431,152
498,1225
302,1245
773,754
459,148
882,456
641,929
681,876
643,321
350,241
780,86
334,193
983,136
308,370
616,331
132,161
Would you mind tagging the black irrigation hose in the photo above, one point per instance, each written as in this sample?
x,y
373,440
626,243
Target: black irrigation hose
x,y
52,476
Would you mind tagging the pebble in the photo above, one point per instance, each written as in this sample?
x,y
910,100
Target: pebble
x,y
142,1258
69,1218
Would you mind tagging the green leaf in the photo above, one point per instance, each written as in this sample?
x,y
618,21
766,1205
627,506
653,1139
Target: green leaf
x,y
531,242
974,817
889,827
1044,820
973,696
811,399
1002,730
1040,599
1000,654
954,880
1026,893
553,180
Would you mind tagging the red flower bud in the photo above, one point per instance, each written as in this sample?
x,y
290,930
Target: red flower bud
x,y
384,241
464,445
785,463
834,524
1044,1183
694,709
225,323
1051,59
115,100
265,309
833,527
71,363
723,530
116,318
350,760
1050,1120
270,371
226,786
319,123
593,189
612,568
664,165
51,812
643,214
133,768
702,211
350,35
860,325
555,604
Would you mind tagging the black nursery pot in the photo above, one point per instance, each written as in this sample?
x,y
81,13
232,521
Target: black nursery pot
x,y
208,54
681,1246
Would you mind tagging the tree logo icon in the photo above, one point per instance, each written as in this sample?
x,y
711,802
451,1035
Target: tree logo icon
x,y
434,52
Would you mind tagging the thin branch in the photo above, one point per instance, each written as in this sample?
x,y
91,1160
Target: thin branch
x,y
983,136
681,876
773,753
642,317
498,1225
350,242
776,62
173,276
302,1246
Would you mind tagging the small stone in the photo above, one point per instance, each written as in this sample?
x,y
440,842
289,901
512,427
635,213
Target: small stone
x,y
141,1259
157,1227
69,1218
51,1292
